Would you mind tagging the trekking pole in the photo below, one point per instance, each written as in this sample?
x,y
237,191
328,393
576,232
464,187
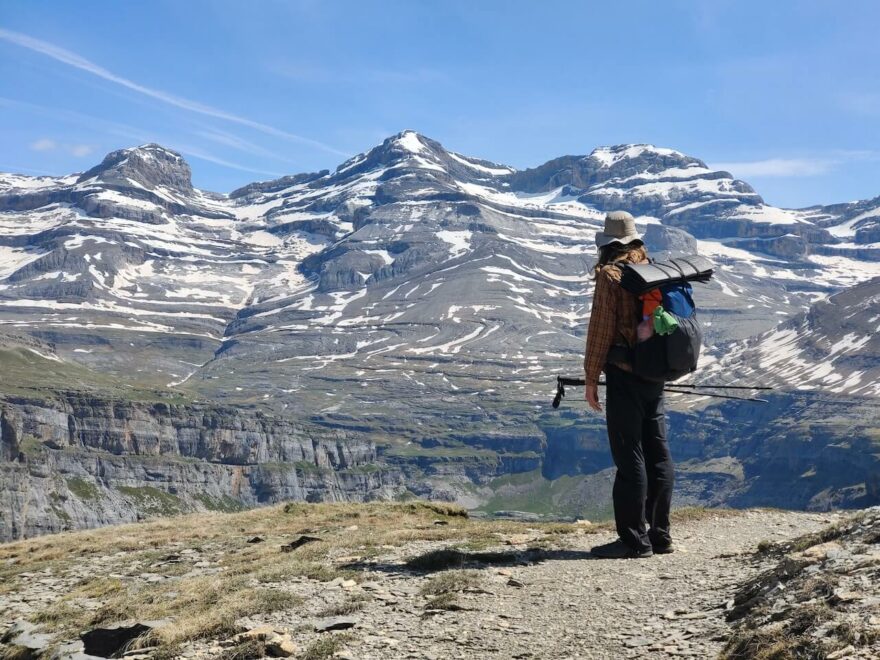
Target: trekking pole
x,y
581,381
722,387
719,396
562,381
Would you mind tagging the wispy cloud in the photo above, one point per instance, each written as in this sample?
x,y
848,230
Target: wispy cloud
x,y
126,132
72,59
778,167
48,144
44,144
81,150
815,165
199,154
240,144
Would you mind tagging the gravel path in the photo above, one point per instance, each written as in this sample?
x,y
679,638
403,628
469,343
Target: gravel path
x,y
567,606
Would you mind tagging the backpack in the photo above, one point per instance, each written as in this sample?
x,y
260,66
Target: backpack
x,y
668,357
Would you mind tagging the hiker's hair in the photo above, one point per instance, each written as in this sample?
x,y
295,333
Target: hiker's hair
x,y
634,252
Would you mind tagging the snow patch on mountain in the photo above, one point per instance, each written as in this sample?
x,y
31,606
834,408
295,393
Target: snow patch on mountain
x,y
609,156
834,347
499,170
459,241
409,140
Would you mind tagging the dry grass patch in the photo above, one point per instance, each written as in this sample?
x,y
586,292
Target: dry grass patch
x,y
352,604
283,571
250,576
794,638
447,601
777,644
15,652
441,591
451,581
326,647
377,524
807,541
250,649
563,528
197,607
759,645
696,513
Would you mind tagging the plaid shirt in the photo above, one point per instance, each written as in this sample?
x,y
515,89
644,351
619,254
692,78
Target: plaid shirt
x,y
613,321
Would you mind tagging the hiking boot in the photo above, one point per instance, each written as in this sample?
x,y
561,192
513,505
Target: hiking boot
x,y
619,550
666,549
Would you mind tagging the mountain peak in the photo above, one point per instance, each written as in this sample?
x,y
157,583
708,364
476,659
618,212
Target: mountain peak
x,y
609,156
409,140
410,150
154,149
409,143
149,165
408,146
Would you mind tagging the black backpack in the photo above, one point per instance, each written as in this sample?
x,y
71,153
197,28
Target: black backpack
x,y
669,357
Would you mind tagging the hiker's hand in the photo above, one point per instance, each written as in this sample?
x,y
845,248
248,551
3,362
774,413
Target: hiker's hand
x,y
592,397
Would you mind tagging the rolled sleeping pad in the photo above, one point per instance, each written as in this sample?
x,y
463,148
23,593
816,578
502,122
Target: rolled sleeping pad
x,y
640,278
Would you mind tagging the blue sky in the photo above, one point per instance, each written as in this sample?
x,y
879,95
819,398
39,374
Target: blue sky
x,y
786,95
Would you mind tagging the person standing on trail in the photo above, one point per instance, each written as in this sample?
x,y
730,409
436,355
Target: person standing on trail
x,y
635,419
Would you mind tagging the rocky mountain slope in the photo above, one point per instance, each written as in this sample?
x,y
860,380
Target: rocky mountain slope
x,y
414,299
835,347
819,600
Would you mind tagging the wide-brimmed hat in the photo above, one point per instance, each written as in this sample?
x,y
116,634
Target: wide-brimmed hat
x,y
620,227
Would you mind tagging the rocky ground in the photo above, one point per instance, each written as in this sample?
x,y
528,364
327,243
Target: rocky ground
x,y
386,581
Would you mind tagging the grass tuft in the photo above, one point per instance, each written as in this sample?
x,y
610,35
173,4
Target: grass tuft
x,y
325,647
354,603
15,652
82,489
447,601
450,582
249,649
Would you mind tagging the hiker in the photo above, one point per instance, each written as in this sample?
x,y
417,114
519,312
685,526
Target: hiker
x,y
635,419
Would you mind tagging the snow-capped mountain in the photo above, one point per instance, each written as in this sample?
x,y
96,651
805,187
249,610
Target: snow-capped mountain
x,y
413,295
834,348
408,252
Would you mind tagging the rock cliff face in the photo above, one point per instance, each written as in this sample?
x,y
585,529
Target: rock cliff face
x,y
77,461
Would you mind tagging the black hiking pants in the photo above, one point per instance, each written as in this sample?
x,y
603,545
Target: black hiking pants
x,y
637,434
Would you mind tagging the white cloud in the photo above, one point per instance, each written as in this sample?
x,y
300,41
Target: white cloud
x,y
44,144
127,132
80,150
48,144
781,167
79,62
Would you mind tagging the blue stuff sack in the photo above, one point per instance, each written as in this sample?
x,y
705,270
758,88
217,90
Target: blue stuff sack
x,y
678,300
669,357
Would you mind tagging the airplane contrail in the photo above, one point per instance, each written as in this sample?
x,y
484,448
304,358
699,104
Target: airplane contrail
x,y
77,61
